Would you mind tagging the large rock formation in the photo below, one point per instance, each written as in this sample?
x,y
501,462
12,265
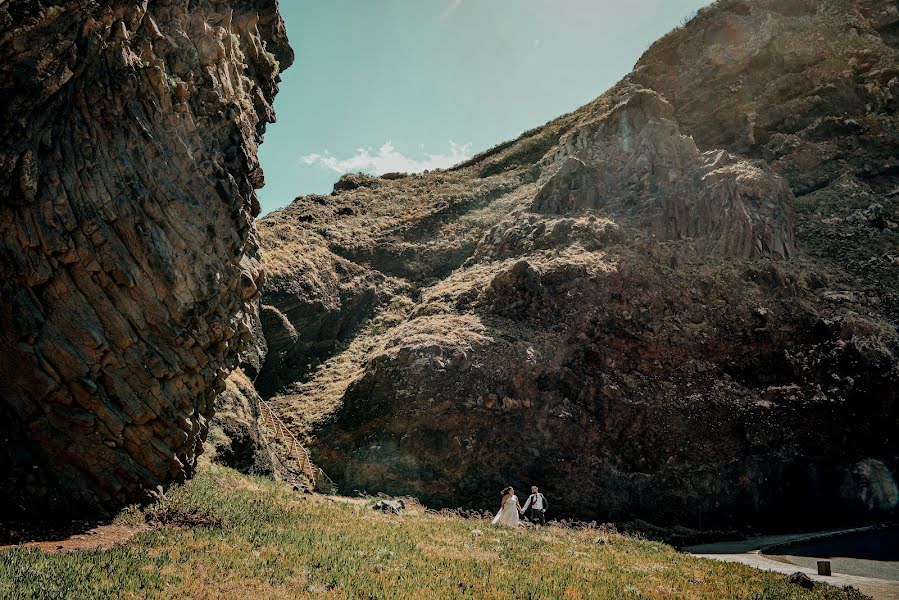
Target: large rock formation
x,y
677,303
813,89
129,265
633,164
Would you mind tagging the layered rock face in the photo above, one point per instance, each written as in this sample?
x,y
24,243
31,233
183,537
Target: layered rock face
x,y
647,307
634,166
813,89
128,254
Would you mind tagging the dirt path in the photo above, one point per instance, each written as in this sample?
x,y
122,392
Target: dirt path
x,y
101,537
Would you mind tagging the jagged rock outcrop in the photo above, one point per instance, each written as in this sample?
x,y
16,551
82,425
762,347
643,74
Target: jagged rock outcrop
x,y
813,89
650,306
634,165
129,266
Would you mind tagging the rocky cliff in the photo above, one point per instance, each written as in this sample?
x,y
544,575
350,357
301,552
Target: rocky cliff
x,y
676,303
129,265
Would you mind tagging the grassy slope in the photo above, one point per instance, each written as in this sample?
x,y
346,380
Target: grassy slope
x,y
268,542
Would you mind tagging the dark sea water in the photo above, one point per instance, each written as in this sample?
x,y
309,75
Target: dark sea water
x,y
879,544
873,553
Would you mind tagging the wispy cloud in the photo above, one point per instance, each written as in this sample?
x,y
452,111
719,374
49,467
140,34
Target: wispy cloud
x,y
388,159
451,8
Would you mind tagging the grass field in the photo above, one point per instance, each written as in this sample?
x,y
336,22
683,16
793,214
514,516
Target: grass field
x,y
224,535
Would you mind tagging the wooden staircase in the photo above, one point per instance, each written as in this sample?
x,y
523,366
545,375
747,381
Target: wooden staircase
x,y
315,477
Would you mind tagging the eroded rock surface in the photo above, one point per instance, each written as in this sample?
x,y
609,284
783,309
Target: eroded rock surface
x,y
635,166
677,303
813,89
129,266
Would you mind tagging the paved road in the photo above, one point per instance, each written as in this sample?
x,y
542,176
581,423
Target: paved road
x,y
879,589
876,578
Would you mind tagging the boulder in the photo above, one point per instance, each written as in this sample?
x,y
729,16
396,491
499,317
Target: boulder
x,y
392,506
802,580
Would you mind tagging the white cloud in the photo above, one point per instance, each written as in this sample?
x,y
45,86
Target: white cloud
x,y
388,159
450,9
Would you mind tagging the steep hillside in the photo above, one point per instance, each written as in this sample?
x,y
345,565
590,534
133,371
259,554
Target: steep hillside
x,y
677,303
129,264
254,539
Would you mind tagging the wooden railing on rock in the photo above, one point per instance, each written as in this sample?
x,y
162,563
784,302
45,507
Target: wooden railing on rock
x,y
316,477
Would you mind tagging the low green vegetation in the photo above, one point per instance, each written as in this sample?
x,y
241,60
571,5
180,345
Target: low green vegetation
x,y
226,535
273,61
171,82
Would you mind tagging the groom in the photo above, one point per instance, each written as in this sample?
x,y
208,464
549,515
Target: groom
x,y
537,505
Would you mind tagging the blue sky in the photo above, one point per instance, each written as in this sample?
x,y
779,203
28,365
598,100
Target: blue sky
x,y
386,85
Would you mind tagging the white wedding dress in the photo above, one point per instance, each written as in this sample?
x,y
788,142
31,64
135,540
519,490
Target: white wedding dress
x,y
508,514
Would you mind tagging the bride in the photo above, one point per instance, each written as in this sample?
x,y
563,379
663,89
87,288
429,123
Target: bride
x,y
508,509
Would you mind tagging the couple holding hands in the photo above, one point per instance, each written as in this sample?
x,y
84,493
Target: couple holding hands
x,y
510,509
